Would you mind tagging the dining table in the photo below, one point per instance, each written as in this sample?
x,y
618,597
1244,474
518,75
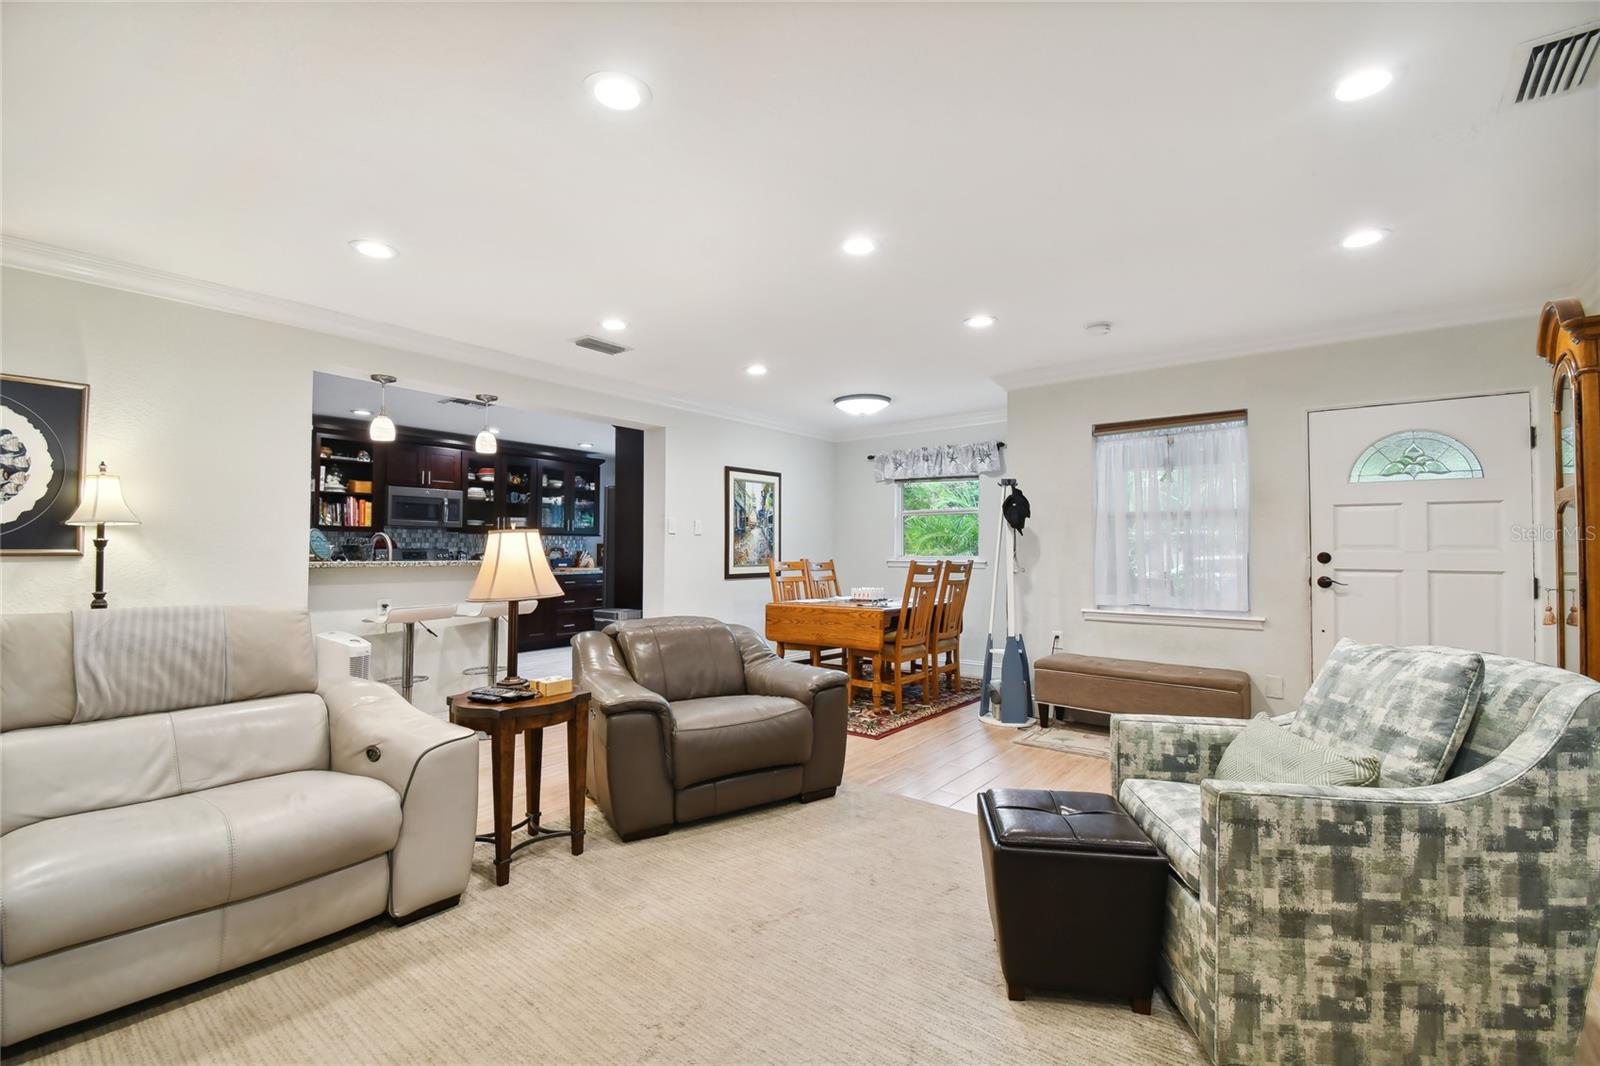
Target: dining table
x,y
835,622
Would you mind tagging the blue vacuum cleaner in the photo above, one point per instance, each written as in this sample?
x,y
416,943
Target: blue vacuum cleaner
x,y
1008,701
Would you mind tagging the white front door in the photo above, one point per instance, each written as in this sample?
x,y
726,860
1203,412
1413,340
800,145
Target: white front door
x,y
1414,512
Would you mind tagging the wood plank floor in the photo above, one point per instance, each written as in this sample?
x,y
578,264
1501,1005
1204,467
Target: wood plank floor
x,y
946,760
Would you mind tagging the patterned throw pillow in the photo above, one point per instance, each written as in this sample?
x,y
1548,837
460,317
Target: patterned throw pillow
x,y
1412,706
1267,752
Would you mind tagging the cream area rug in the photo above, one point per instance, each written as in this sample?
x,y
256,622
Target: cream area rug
x,y
1069,737
762,937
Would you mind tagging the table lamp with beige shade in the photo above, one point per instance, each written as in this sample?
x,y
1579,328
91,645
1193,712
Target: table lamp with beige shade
x,y
101,505
514,569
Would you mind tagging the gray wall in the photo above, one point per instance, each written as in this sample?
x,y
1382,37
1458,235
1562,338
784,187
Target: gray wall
x,y
1049,429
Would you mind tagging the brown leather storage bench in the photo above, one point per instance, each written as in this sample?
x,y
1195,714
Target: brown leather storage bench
x,y
1091,689
1076,892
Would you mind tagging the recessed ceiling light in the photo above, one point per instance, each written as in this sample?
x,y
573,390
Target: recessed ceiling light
x,y
1364,238
981,321
1362,84
373,249
755,370
495,430
613,325
861,403
586,445
859,245
361,412
619,92
1097,329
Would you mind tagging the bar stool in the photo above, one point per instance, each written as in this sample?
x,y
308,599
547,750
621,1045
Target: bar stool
x,y
493,612
411,617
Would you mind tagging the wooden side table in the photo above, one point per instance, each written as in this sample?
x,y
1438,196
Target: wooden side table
x,y
530,717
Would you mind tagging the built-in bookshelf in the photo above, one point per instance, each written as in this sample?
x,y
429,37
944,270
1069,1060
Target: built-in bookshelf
x,y
342,495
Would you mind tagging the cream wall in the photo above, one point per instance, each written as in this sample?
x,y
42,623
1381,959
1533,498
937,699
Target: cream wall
x,y
206,415
1049,429
863,523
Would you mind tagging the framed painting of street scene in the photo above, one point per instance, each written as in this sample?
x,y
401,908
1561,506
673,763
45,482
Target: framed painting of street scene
x,y
752,520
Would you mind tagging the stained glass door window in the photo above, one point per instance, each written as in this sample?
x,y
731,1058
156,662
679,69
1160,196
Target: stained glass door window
x,y
1415,455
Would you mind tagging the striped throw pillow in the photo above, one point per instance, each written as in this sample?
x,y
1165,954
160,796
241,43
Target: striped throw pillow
x,y
1266,752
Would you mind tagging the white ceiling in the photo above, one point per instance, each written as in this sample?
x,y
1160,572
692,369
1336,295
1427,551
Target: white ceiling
x,y
1181,170
333,394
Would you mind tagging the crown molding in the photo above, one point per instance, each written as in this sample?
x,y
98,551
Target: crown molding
x,y
933,424
41,258
1388,326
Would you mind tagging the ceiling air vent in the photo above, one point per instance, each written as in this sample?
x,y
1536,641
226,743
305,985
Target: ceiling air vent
x,y
595,344
463,401
1555,66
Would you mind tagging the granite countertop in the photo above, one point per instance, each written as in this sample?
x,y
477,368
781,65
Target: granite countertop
x,y
329,564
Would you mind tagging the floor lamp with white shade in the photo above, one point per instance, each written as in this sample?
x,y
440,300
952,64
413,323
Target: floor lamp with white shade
x,y
514,569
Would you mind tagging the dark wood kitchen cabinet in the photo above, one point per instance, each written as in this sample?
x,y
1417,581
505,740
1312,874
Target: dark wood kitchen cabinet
x,y
424,465
557,620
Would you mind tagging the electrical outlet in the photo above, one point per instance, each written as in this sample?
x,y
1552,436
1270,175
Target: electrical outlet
x,y
1056,637
1272,686
383,607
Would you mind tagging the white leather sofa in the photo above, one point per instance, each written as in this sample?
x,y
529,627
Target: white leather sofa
x,y
179,798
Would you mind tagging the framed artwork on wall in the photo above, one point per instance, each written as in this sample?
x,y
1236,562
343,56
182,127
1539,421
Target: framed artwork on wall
x,y
752,520
43,427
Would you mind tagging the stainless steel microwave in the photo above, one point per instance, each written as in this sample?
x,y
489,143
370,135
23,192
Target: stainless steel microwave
x,y
437,508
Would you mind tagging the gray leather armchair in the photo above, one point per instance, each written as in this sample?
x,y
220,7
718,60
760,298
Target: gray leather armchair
x,y
690,717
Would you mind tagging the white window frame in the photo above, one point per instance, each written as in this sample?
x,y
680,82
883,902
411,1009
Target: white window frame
x,y
899,556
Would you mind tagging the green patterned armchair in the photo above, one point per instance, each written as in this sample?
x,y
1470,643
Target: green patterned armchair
x,y
1452,922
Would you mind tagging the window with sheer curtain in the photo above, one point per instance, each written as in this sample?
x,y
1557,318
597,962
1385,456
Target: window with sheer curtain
x,y
1172,516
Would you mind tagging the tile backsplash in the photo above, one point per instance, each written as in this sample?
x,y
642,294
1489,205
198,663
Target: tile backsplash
x,y
443,542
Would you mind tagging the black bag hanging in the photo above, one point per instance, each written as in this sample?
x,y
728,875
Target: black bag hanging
x,y
1016,509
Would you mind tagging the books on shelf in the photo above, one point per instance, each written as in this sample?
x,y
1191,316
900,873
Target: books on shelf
x,y
348,512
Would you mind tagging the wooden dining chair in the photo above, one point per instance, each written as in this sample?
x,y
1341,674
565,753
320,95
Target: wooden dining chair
x,y
824,580
792,581
908,644
949,604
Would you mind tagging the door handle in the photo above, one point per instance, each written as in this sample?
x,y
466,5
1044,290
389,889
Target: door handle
x,y
1326,582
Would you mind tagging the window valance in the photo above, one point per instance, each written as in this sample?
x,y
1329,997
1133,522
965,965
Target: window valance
x,y
940,460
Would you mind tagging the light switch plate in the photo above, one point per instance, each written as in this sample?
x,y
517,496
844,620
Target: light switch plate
x,y
672,527
699,527
1272,686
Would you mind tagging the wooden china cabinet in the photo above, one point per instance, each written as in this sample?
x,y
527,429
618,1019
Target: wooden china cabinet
x,y
1570,341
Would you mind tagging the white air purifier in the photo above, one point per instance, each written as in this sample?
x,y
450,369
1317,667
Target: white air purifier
x,y
341,655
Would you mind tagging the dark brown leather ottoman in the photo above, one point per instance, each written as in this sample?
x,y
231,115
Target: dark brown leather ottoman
x,y
1076,893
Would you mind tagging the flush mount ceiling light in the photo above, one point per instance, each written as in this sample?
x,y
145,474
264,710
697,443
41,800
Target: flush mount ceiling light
x,y
756,370
486,444
859,245
586,445
1364,238
619,92
374,249
861,403
981,321
382,428
495,430
1362,84
361,412
613,325
1097,329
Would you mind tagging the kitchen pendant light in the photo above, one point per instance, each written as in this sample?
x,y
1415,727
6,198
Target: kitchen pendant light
x,y
486,444
382,428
